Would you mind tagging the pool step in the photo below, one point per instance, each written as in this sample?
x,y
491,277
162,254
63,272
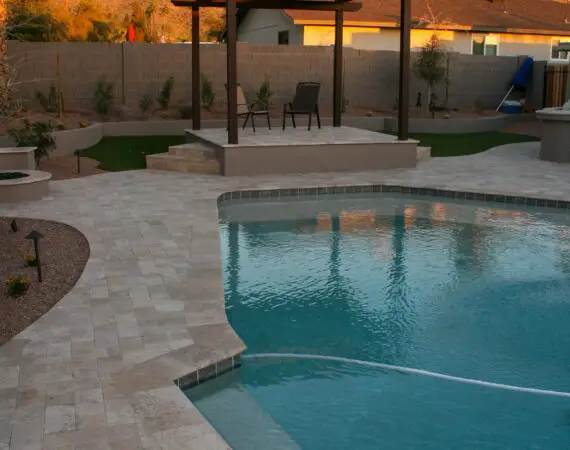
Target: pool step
x,y
237,416
185,164
423,153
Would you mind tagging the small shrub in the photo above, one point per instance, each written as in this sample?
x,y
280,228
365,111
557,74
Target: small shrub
x,y
345,104
207,93
16,285
264,93
145,103
479,107
185,111
50,102
36,134
104,97
396,104
166,92
31,260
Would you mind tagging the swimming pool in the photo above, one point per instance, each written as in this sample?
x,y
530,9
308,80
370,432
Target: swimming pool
x,y
394,323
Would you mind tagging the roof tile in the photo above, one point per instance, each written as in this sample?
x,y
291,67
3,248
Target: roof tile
x,y
535,15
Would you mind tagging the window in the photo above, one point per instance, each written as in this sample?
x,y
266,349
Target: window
x,y
559,55
283,37
485,45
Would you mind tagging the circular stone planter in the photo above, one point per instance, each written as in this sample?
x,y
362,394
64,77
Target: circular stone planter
x,y
27,185
555,134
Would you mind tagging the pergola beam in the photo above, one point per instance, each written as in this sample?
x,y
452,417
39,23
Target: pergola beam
x,y
338,97
404,97
231,53
275,4
196,101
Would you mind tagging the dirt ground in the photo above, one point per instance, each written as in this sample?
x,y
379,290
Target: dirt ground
x,y
63,254
74,118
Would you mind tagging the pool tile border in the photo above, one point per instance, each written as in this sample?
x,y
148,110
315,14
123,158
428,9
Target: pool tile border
x,y
264,194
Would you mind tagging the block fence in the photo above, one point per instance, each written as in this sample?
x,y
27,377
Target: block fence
x,y
371,77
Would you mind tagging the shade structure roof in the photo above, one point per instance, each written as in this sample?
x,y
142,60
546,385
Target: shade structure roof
x,y
309,5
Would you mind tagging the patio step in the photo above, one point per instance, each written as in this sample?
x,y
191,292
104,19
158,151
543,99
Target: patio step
x,y
424,153
174,163
195,152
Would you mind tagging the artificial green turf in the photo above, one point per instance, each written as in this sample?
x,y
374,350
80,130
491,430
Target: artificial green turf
x,y
468,144
128,152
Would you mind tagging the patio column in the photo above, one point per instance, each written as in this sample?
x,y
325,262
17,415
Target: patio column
x,y
196,101
404,98
337,67
231,49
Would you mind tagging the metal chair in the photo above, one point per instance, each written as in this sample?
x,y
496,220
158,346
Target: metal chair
x,y
306,102
250,110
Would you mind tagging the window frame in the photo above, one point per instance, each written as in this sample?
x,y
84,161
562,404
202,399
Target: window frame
x,y
560,40
485,36
285,33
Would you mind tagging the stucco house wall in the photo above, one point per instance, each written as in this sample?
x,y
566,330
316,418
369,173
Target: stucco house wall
x,y
262,27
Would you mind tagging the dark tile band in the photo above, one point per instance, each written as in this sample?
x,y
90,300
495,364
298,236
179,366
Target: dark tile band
x,y
419,191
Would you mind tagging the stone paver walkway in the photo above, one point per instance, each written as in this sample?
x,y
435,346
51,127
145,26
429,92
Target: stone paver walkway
x,y
97,371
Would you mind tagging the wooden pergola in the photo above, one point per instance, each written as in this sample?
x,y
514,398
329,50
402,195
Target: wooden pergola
x,y
338,6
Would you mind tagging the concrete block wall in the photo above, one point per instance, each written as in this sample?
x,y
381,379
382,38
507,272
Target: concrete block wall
x,y
371,77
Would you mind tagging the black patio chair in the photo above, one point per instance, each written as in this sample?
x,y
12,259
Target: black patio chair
x,y
306,102
250,110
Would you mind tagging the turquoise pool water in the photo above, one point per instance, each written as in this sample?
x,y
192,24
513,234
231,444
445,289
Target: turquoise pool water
x,y
476,292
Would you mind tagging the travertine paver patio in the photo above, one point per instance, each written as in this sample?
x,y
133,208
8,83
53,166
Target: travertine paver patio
x,y
96,371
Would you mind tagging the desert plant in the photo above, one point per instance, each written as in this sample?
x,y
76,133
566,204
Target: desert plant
x,y
345,104
31,260
430,64
50,102
207,93
479,107
16,285
145,103
104,97
264,93
185,111
166,93
36,134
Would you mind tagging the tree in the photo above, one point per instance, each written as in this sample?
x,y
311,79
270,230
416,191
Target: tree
x,y
33,20
212,24
104,32
9,106
430,65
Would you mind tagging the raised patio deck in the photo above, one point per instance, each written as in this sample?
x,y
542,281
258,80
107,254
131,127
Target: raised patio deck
x,y
298,150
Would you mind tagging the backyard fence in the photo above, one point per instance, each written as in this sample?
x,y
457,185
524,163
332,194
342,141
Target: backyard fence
x,y
138,69
556,89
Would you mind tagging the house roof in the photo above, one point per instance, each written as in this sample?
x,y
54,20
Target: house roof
x,y
515,16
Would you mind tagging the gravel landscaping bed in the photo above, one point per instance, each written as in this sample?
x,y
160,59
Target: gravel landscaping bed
x,y
63,254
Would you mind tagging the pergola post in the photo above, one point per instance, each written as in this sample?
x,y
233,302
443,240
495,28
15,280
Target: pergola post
x,y
404,98
231,50
337,67
196,101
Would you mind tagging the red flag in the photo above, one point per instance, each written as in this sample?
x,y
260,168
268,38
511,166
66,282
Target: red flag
x,y
131,34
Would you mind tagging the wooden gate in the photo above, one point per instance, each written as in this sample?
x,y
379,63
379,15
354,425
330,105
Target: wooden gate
x,y
556,89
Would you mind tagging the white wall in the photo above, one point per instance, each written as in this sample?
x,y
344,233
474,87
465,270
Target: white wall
x,y
262,26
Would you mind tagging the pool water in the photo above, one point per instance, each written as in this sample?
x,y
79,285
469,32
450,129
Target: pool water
x,y
478,292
